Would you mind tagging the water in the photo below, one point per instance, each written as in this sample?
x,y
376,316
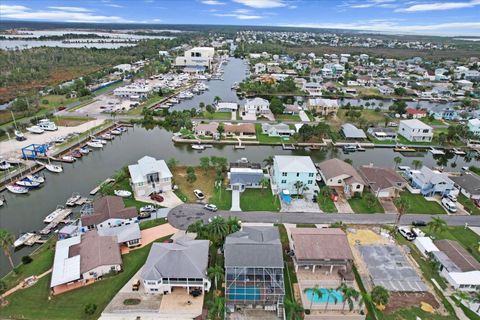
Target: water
x,y
27,44
246,293
335,295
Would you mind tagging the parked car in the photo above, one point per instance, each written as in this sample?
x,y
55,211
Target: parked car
x,y
419,223
315,199
156,197
211,207
199,194
406,233
135,285
449,205
148,208
451,197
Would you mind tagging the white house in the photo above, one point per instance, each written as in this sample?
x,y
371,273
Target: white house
x,y
288,170
474,126
182,263
150,176
323,106
425,245
226,106
198,56
257,106
313,88
277,130
260,68
134,91
415,130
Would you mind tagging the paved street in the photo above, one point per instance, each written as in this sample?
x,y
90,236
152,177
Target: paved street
x,y
184,215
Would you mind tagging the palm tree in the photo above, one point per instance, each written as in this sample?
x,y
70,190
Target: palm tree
x,y
380,295
268,161
217,229
216,308
402,207
264,182
197,227
6,242
437,225
330,294
397,160
217,273
417,164
315,292
217,99
233,224
349,294
298,185
293,309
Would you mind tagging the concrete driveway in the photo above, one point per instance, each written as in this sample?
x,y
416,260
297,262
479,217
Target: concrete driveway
x,y
235,201
300,205
342,203
388,205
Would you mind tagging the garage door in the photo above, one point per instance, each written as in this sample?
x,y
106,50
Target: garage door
x,y
384,194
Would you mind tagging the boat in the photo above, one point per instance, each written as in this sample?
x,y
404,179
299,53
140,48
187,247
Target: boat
x,y
76,154
459,152
23,238
68,158
198,147
94,144
122,129
2,202
53,168
360,148
25,182
116,132
19,135
403,149
17,189
59,140
71,202
4,165
36,178
403,168
436,151
47,125
107,136
173,100
349,148
84,150
35,129
122,193
95,139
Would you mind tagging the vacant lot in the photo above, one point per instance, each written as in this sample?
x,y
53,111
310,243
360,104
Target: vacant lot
x,y
418,204
205,182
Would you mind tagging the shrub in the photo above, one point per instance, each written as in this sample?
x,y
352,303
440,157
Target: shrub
x,y
131,302
26,259
90,308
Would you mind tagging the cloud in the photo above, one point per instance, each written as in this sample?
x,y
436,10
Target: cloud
x,y
239,16
65,14
113,5
262,4
436,6
213,2
371,3
392,26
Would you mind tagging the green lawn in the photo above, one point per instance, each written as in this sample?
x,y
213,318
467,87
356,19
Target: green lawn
x,y
152,223
418,204
34,302
287,117
265,138
432,122
360,205
325,203
468,205
216,115
259,200
222,199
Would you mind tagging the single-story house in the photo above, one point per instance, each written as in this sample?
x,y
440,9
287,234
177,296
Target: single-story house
x,y
416,113
382,134
226,106
383,182
292,109
182,263
468,184
425,245
126,234
244,174
240,129
338,173
206,129
277,130
349,131
149,176
107,212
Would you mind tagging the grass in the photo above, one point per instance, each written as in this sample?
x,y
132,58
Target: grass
x,y
217,115
474,169
55,101
306,225
419,205
205,182
259,200
433,122
287,117
34,302
469,313
361,205
369,115
222,199
152,223
326,204
266,139
468,205
290,277
70,121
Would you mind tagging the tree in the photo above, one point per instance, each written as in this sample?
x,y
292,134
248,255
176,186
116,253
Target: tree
x,y
315,292
6,242
349,294
400,91
417,164
205,164
191,177
437,225
216,272
233,225
370,198
3,289
330,293
217,99
476,299
264,182
349,161
217,229
402,207
90,308
106,189
293,309
209,108
268,161
197,227
380,295
216,308
277,106
397,160
298,185
172,163
220,130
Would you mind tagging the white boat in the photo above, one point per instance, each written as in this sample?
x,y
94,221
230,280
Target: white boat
x,y
107,136
94,144
55,214
1,202
84,150
19,135
17,189
122,129
116,132
25,182
436,151
4,165
173,100
68,158
59,140
459,152
36,178
35,129
122,193
71,202
53,168
23,238
198,147
47,125
95,139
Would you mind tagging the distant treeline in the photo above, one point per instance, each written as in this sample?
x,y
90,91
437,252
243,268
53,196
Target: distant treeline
x,y
58,37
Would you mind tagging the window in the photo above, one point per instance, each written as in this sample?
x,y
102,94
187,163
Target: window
x,y
310,174
284,174
298,174
310,182
358,186
284,181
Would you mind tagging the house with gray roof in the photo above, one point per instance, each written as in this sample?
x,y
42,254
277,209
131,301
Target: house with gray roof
x,y
149,176
254,270
349,131
468,184
182,263
127,234
277,130
244,174
431,182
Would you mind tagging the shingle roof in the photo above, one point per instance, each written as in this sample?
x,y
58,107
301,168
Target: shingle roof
x,y
184,258
294,164
106,208
240,128
254,247
336,167
381,178
321,244
470,182
124,233
464,260
245,175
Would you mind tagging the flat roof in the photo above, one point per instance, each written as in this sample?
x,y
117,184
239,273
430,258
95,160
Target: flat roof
x,y
321,244
65,269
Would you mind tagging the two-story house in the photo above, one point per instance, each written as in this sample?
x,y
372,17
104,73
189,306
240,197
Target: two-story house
x,y
149,176
257,106
474,126
431,182
287,171
415,130
338,173
443,113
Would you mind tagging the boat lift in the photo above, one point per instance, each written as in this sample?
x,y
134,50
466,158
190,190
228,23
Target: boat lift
x,y
33,151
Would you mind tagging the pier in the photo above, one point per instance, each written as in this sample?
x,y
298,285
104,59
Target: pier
x,y
58,219
95,190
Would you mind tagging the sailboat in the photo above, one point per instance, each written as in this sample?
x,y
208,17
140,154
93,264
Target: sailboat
x,y
36,178
18,134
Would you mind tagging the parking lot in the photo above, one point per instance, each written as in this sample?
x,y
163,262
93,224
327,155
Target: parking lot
x,y
107,103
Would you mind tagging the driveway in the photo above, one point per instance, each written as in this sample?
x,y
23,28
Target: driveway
x,y
303,116
235,201
388,205
170,200
342,203
300,205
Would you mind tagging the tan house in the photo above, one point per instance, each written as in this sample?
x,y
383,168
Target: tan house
x,y
337,173
206,129
240,130
383,182
322,106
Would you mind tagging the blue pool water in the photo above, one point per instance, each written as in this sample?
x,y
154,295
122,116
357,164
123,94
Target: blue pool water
x,y
323,299
245,293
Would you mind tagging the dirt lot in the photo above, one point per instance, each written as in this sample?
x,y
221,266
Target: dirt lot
x,y
204,182
401,300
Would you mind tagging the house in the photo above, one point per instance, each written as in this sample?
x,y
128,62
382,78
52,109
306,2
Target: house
x,y
382,134
415,130
385,90
226,106
468,184
257,106
323,106
474,126
289,170
457,265
240,129
440,112
349,131
244,174
107,212
180,264
84,258
321,250
254,270
198,56
260,68
338,173
292,109
277,130
128,235
149,176
415,113
430,182
383,182
425,245
313,88
206,129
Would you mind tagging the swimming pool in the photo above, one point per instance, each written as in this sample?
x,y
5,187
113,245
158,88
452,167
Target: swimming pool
x,y
323,299
244,293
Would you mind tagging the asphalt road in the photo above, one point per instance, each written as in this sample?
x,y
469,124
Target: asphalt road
x,y
184,215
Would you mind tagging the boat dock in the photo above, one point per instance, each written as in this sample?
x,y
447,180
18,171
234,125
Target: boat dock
x,y
58,219
35,239
97,188
288,146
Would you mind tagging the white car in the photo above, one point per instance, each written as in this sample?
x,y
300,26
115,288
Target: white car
x,y
199,194
148,208
406,233
451,197
449,205
211,207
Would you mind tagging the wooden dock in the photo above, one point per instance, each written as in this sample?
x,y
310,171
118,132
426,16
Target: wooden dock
x,y
97,188
59,219
288,146
30,242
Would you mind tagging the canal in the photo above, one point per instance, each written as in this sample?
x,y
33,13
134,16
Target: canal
x,y
26,212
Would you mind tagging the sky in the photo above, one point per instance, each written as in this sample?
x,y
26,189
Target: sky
x,y
430,17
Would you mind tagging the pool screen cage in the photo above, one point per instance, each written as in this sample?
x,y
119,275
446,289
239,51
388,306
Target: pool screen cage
x,y
247,287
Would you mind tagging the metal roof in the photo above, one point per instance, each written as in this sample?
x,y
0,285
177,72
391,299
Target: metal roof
x,y
148,165
295,164
65,269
